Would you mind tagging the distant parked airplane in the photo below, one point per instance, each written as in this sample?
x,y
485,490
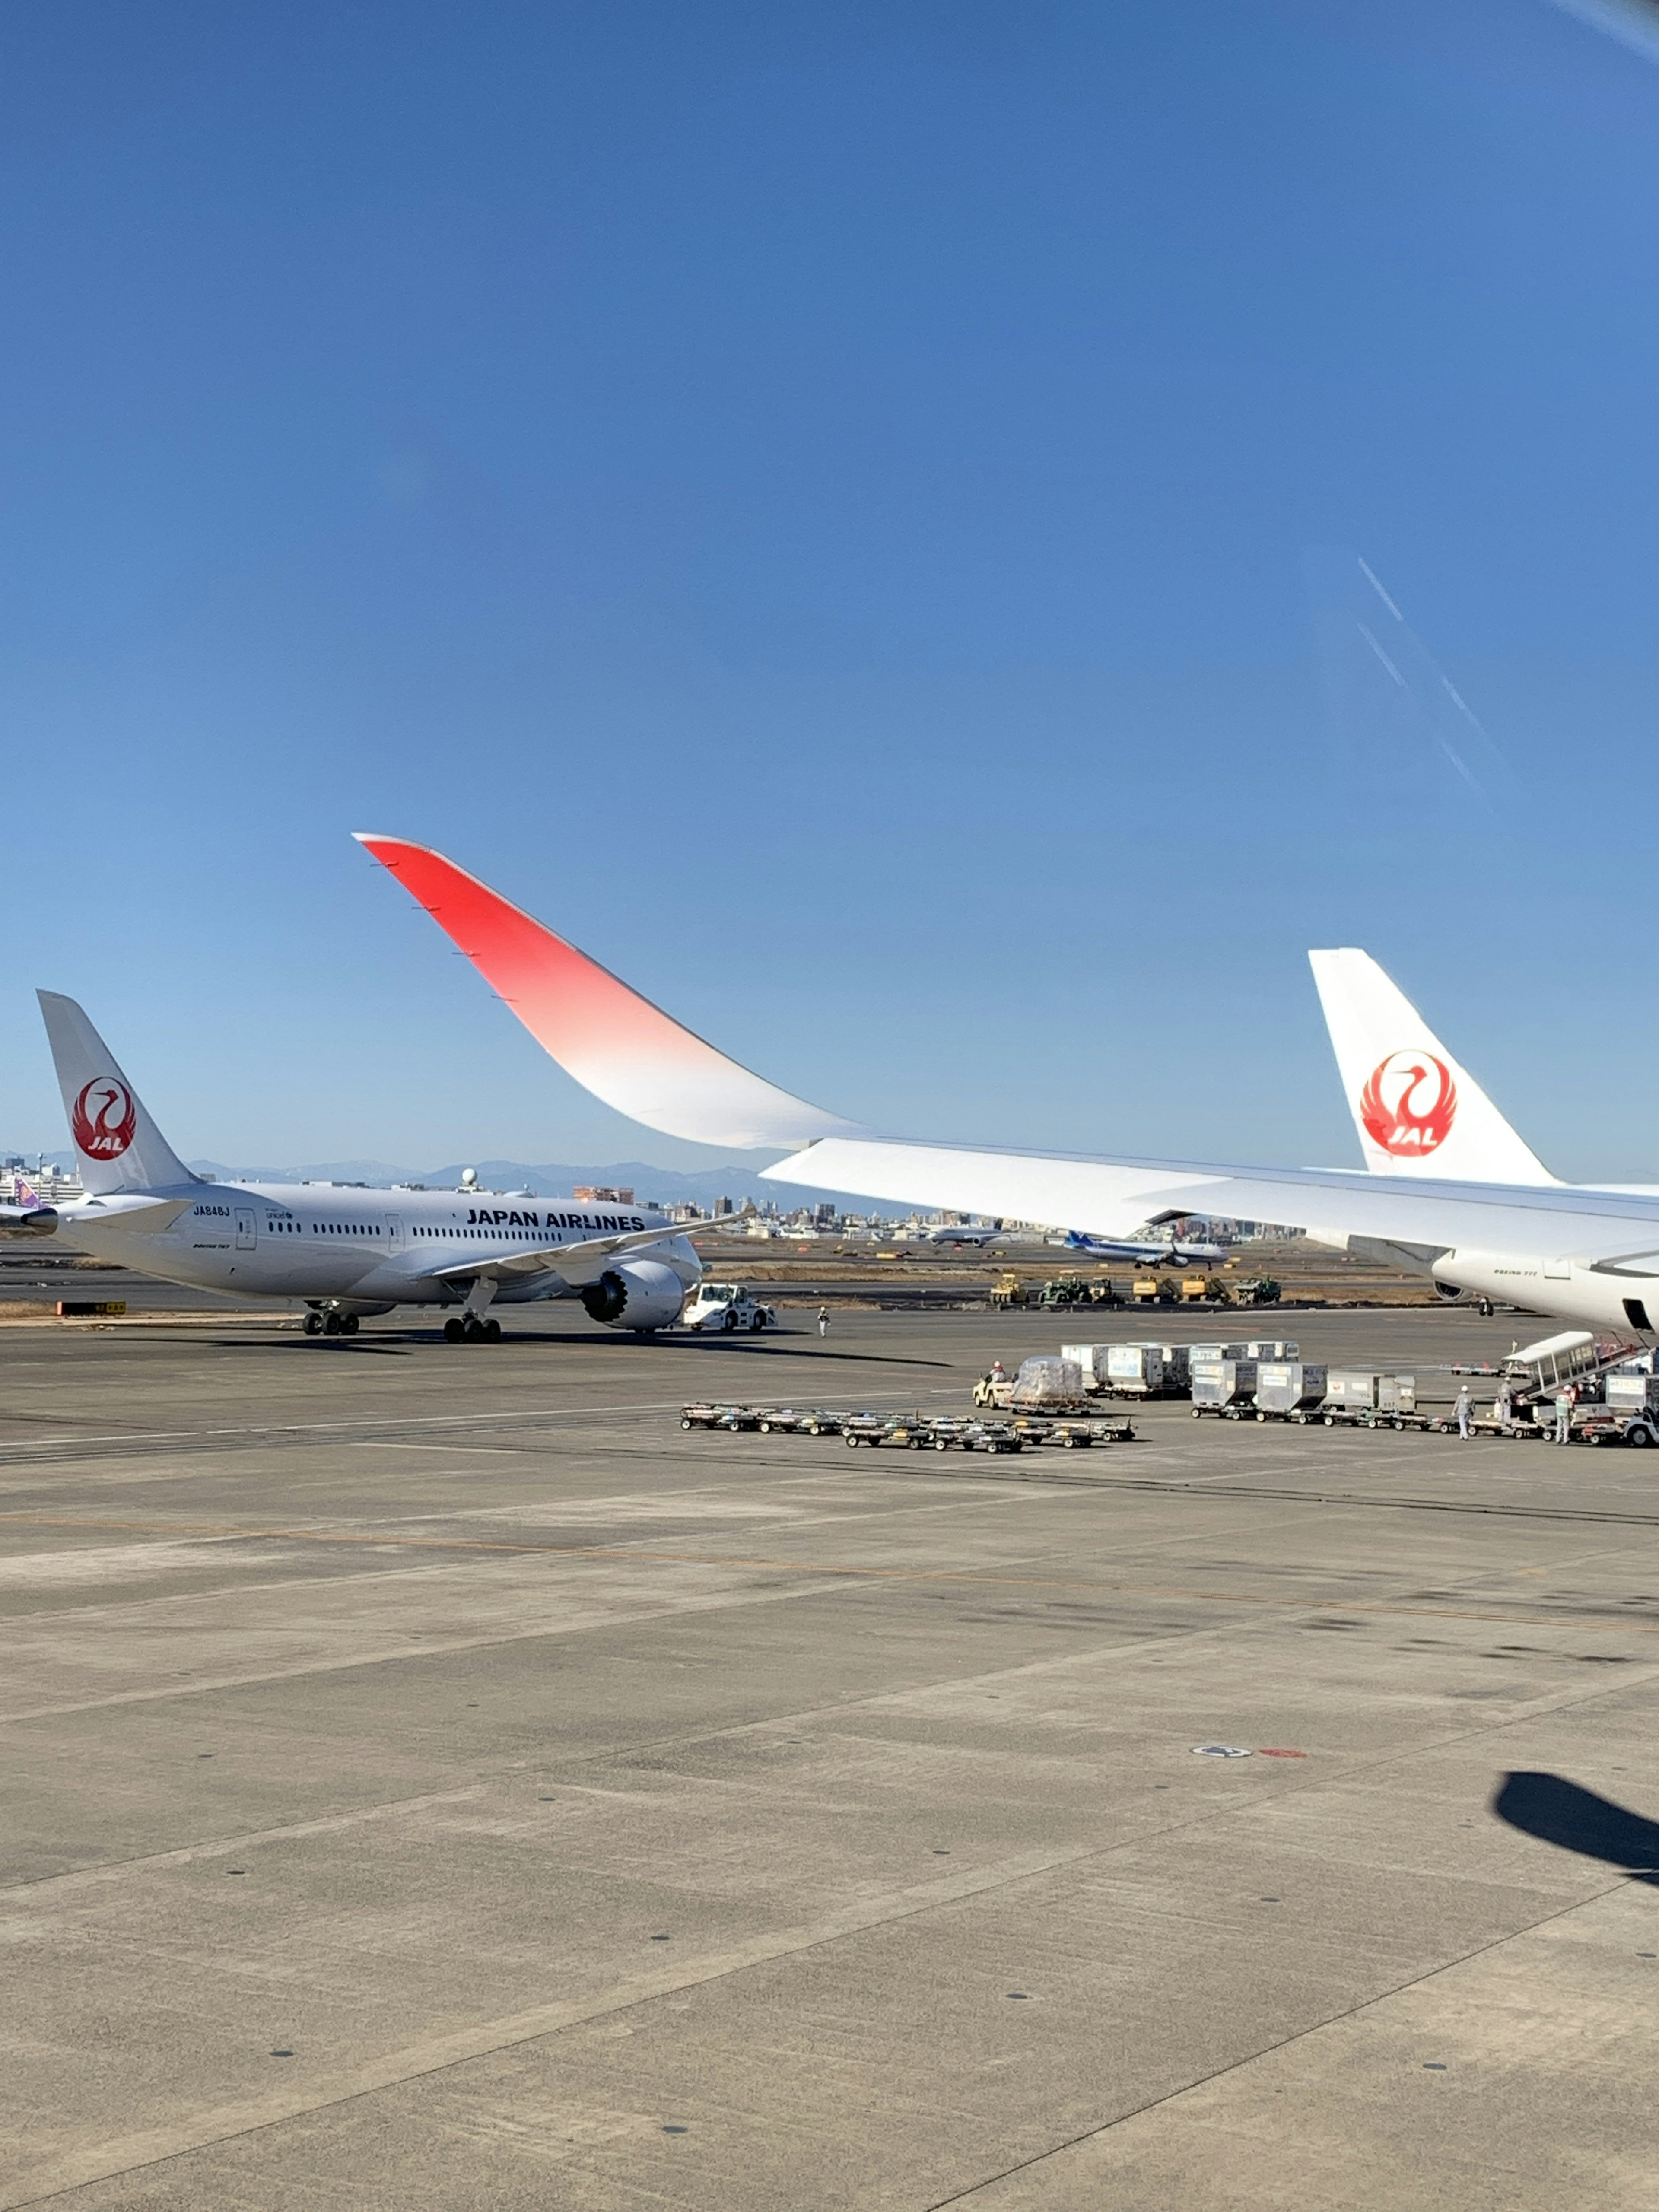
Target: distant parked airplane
x,y
345,1252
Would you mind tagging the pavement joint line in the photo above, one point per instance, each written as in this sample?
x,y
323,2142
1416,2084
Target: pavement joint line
x,y
1286,1783
1281,2043
125,2154
971,1578
250,1840
436,2054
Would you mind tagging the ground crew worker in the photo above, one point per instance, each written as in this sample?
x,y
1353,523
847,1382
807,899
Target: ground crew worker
x,y
824,1320
1504,1408
1464,1401
1564,1416
999,1373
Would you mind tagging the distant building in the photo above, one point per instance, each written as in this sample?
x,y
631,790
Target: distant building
x,y
722,1207
49,1184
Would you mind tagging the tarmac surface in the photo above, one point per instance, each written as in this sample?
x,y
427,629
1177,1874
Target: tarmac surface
x,y
436,1780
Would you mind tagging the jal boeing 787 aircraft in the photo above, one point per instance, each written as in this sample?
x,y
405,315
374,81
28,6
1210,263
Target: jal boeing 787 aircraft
x,y
1591,1256
345,1252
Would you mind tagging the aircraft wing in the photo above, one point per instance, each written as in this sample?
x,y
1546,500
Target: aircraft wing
x,y
615,1043
1107,1196
577,1263
638,1059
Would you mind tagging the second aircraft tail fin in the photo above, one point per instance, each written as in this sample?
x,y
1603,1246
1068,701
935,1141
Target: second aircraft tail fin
x,y
116,1145
1418,1112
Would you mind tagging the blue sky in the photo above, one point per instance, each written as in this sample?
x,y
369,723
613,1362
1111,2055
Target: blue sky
x,y
828,506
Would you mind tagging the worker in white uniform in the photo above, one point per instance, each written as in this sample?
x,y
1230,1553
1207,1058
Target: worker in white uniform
x,y
1464,1404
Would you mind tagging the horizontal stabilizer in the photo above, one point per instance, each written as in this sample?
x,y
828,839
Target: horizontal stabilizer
x,y
615,1043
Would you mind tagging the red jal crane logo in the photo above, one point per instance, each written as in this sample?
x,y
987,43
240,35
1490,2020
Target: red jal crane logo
x,y
104,1119
1409,1104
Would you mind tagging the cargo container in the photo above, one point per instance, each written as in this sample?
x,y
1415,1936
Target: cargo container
x,y
1086,1355
1224,1387
1141,1370
1286,1389
1045,1381
1350,1390
1274,1347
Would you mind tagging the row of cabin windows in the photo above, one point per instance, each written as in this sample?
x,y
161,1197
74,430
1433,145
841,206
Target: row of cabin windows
x,y
345,1229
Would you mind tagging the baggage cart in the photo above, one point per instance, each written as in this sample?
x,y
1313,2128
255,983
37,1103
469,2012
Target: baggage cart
x,y
904,1431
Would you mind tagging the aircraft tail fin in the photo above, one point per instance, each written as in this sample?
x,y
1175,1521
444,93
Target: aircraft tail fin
x,y
117,1145
1417,1110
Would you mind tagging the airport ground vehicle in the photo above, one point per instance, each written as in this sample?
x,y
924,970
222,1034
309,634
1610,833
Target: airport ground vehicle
x,y
1078,1291
345,1251
729,1306
1589,1256
1008,1290
1254,1291
1154,1290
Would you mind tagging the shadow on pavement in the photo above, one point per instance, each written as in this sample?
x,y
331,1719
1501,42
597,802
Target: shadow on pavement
x,y
1558,1812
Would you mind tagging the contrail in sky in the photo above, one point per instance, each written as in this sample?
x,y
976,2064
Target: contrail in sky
x,y
1634,23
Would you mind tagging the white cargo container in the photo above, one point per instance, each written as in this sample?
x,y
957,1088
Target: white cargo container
x,y
1086,1355
1223,1387
1287,1388
1198,1355
1351,1390
1634,1393
1278,1348
1133,1370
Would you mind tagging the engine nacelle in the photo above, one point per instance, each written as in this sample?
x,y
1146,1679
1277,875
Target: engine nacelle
x,y
637,1294
27,1221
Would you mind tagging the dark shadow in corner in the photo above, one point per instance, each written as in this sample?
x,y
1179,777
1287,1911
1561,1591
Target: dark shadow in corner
x,y
1558,1812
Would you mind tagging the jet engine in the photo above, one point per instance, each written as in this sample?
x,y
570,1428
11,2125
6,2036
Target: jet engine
x,y
637,1294
27,1221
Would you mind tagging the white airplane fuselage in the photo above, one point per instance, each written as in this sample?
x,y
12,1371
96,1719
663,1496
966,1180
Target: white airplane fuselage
x,y
358,1249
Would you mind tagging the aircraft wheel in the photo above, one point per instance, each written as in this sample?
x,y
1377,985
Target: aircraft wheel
x,y
312,1323
332,1325
492,1331
453,1330
348,1324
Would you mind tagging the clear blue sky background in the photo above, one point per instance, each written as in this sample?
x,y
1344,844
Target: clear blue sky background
x,y
815,500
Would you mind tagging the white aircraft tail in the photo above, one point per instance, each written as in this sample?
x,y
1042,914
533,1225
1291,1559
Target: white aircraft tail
x,y
117,1145
1418,1112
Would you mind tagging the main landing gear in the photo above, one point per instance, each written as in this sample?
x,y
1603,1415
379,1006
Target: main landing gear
x,y
472,1330
329,1324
